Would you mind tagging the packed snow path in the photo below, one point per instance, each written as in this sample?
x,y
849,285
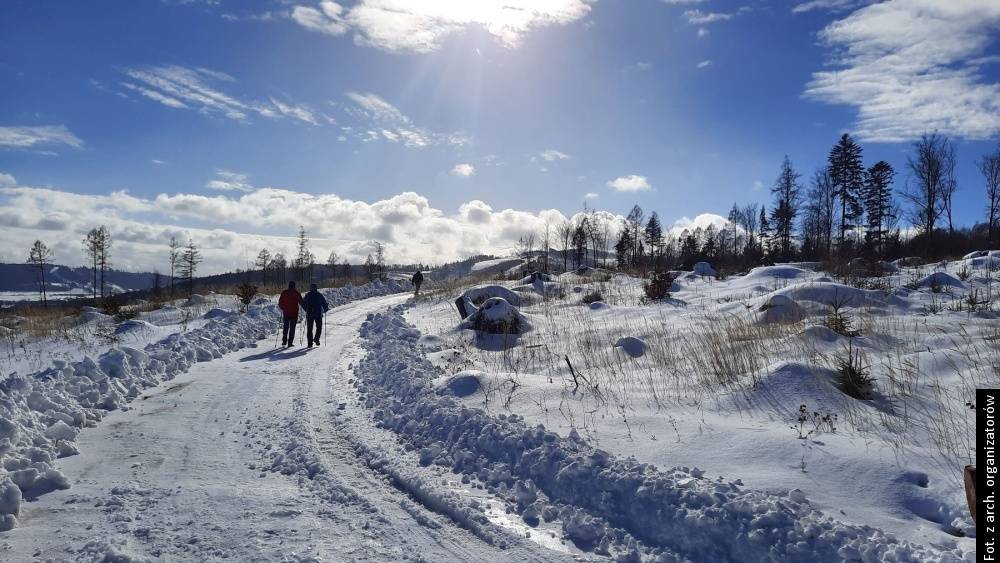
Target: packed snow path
x,y
240,458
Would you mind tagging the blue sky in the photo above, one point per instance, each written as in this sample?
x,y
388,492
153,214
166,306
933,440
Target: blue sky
x,y
445,128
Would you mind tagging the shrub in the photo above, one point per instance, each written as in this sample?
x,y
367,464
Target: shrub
x,y
592,297
839,321
658,287
964,274
854,375
245,293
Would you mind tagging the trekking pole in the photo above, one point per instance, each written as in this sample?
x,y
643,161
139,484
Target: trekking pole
x,y
276,336
326,331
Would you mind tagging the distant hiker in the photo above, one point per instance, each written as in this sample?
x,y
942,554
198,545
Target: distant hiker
x,y
289,303
417,279
315,305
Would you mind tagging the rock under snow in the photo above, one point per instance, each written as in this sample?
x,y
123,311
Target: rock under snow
x,y
464,383
781,308
496,316
480,294
634,347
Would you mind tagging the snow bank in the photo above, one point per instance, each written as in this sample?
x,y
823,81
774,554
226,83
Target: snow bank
x,y
42,413
678,511
827,293
941,279
776,272
703,269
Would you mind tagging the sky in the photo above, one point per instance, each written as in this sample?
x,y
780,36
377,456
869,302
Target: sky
x,y
447,128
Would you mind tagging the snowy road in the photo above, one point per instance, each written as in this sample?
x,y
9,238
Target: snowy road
x,y
241,459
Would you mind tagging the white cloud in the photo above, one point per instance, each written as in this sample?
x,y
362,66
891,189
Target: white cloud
x,y
328,18
591,195
228,181
25,137
702,32
552,154
705,64
697,17
387,122
407,224
7,180
405,25
463,170
202,90
640,66
630,183
701,221
829,5
157,161
758,185
913,66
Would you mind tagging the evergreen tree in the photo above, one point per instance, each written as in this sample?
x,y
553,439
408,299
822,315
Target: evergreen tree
x,y
786,193
847,173
653,234
262,262
623,248
304,258
580,243
175,261
878,204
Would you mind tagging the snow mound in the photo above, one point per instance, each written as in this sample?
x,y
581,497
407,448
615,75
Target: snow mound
x,y
634,347
976,254
217,313
464,383
703,269
93,317
497,316
481,293
529,279
781,309
820,333
133,325
776,272
598,306
827,293
941,279
195,299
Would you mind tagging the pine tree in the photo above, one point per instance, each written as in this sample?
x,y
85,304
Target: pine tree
x,y
653,234
878,204
262,262
786,192
304,258
580,243
40,256
623,248
847,173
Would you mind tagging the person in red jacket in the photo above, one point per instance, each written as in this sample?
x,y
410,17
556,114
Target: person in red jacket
x,y
289,303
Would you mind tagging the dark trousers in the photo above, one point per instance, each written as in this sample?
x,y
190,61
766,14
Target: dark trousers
x,y
318,321
288,329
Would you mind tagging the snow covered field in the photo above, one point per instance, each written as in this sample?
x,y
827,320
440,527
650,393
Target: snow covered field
x,y
613,427
721,372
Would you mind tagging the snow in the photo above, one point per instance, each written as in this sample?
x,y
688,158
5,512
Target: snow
x,y
721,382
497,263
42,413
481,293
634,347
703,269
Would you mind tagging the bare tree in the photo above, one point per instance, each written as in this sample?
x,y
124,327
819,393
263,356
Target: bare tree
x,y
925,189
40,256
379,259
990,167
175,261
546,245
279,265
565,230
332,260
190,259
90,248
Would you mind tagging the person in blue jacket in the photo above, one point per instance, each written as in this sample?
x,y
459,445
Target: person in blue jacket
x,y
315,306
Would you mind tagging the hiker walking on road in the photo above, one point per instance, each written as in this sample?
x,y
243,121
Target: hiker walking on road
x,y
289,303
316,306
417,279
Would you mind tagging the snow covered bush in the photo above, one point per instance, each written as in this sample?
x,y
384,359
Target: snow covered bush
x,y
658,287
854,374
